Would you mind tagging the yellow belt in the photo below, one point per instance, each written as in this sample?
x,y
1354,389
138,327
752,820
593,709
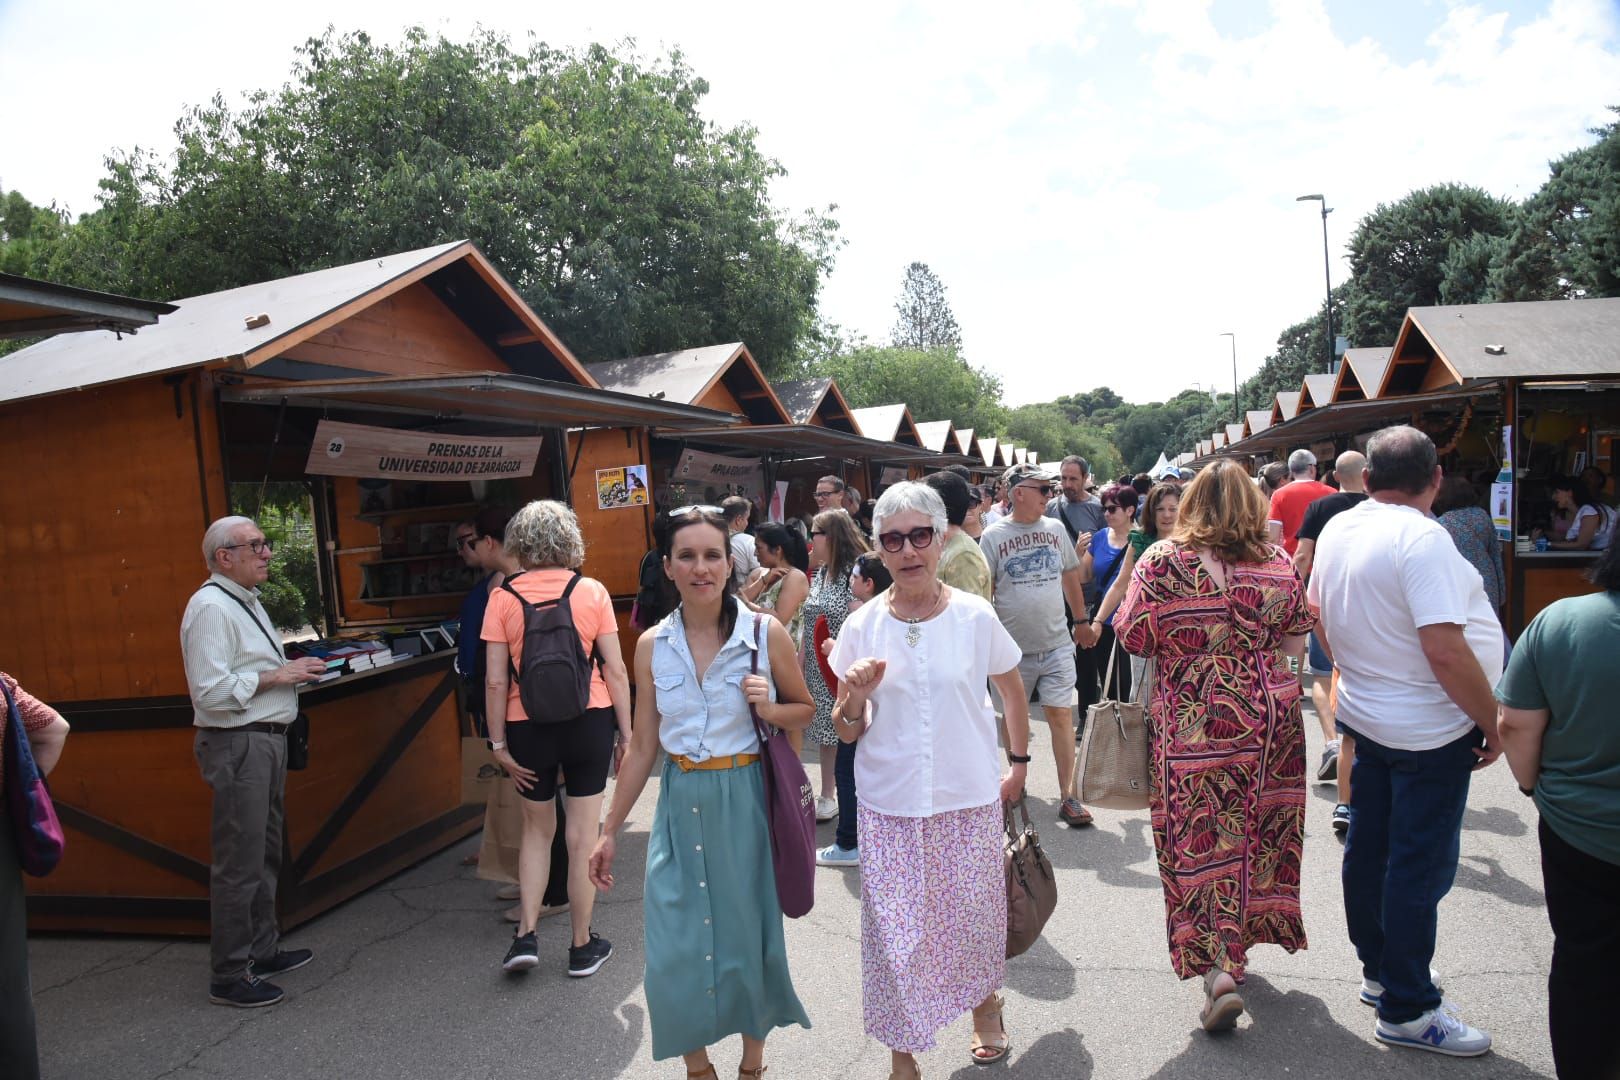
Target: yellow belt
x,y
729,761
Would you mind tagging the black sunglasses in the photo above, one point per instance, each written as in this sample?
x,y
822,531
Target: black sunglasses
x,y
1044,489
895,541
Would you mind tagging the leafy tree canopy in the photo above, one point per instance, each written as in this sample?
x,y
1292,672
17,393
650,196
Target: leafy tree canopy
x,y
937,384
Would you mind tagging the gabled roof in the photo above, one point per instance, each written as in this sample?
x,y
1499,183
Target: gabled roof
x,y
1286,407
969,445
939,436
1205,446
1255,421
1317,390
1217,439
210,329
810,400
29,307
688,375
888,423
1447,346
1234,433
988,450
1361,374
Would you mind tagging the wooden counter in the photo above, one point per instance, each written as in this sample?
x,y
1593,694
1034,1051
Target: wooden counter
x,y
1541,577
382,792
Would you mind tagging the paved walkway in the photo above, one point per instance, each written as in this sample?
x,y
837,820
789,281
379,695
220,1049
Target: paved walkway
x,y
406,982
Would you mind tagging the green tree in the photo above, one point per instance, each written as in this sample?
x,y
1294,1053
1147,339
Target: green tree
x,y
937,384
925,320
1047,429
628,221
28,234
1401,252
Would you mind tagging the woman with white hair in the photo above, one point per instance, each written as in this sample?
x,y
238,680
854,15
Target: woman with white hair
x,y
544,539
912,668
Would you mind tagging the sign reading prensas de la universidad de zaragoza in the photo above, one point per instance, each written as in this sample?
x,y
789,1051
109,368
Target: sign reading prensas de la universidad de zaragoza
x,y
388,454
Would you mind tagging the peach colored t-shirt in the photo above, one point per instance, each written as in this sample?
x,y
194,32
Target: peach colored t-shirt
x,y
590,605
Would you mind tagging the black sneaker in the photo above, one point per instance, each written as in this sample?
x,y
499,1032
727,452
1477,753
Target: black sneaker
x,y
524,953
1341,819
1328,771
248,992
284,961
584,959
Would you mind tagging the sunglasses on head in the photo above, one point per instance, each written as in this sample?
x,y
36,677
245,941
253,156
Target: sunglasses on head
x,y
695,508
894,541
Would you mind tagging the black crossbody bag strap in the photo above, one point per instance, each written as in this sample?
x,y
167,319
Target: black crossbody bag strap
x,y
274,644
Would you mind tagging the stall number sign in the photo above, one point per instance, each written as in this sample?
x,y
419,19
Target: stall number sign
x,y
384,453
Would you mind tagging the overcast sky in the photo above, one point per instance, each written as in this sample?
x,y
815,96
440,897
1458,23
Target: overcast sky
x,y
1105,187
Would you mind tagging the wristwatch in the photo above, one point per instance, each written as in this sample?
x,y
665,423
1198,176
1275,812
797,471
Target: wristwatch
x,y
1017,759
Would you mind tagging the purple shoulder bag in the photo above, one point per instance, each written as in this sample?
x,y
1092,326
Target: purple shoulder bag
x,y
33,817
790,811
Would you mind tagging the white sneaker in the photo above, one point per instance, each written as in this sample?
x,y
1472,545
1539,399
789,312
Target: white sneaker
x,y
826,809
833,855
1439,1031
1372,990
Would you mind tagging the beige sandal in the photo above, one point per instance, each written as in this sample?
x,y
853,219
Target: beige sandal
x,y
751,1074
1220,1011
706,1074
914,1073
990,1033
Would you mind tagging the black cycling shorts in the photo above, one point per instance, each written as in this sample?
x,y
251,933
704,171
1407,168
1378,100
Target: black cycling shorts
x,y
582,747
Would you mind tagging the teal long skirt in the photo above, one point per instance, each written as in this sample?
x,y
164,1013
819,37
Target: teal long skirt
x,y
716,962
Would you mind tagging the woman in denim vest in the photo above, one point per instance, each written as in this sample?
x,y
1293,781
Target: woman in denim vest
x,y
716,961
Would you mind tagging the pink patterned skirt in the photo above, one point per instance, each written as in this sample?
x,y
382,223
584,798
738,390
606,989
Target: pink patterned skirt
x,y
933,920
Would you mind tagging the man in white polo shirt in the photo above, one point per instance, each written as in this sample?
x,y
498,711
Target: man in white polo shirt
x,y
1418,648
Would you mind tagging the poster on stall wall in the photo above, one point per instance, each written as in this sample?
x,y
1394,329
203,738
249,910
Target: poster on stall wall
x,y
778,507
617,489
714,476
1502,490
892,474
387,454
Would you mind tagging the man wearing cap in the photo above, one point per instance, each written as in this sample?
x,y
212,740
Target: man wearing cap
x,y
1034,570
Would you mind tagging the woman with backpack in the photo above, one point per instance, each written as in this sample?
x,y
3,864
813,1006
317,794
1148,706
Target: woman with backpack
x,y
716,958
547,705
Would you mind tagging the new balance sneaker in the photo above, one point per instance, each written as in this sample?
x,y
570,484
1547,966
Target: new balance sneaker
x,y
248,992
1372,990
584,959
1072,814
833,855
523,954
826,809
1439,1031
1341,819
1328,771
284,961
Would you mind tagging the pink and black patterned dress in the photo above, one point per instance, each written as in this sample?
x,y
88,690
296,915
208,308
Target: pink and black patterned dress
x,y
1228,797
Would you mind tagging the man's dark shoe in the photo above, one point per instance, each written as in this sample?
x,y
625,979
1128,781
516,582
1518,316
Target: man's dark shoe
x,y
284,961
248,992
1072,814
584,959
524,953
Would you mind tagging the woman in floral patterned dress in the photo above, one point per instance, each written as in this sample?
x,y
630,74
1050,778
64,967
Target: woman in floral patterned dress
x,y
835,544
1220,608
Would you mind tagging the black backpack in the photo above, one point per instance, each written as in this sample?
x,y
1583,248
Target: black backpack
x,y
554,681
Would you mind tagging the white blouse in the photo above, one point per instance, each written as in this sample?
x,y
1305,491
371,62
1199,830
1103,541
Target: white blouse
x,y
931,747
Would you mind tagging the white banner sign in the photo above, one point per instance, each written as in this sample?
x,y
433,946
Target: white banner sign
x,y
710,473
389,454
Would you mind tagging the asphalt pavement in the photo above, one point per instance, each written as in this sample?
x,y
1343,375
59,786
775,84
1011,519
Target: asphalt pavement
x,y
407,983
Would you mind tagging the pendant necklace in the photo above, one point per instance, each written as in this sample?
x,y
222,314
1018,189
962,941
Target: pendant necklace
x,y
914,626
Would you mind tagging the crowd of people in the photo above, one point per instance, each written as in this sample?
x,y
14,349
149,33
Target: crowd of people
x,y
908,647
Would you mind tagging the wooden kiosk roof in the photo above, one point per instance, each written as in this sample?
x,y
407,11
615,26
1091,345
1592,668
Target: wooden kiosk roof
x,y
940,437
888,423
29,306
816,401
1452,346
1317,390
1255,421
721,377
1361,375
1286,407
336,322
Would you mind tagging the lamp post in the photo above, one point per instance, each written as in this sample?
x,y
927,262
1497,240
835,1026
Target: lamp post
x,y
1327,271
1237,410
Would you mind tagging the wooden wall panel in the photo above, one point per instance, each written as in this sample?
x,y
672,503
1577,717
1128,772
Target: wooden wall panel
x,y
100,538
409,333
1543,585
615,540
720,398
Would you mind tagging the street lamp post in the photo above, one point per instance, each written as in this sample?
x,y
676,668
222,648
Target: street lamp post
x,y
1327,271
1237,410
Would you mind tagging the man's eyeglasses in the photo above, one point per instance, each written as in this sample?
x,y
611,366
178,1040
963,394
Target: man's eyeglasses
x,y
258,547
824,495
466,541
1044,489
895,541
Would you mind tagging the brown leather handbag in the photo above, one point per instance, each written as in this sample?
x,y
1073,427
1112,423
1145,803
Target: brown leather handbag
x,y
1031,884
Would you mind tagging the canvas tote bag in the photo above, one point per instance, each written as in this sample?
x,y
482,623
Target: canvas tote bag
x,y
1113,770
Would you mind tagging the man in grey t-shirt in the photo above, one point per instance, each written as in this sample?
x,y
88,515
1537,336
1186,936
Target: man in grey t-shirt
x,y
1034,569
1080,511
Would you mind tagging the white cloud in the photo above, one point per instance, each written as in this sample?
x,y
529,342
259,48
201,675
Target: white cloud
x,y
1104,187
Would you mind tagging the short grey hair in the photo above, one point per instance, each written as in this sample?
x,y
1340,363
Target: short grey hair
x,y
907,496
1300,462
222,534
544,534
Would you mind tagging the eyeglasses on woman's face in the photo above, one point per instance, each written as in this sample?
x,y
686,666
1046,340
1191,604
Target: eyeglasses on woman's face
x,y
918,538
466,541
1109,508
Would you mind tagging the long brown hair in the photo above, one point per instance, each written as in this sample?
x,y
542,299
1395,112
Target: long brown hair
x,y
1223,511
844,538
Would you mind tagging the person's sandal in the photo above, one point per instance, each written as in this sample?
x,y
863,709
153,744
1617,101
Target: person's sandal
x,y
706,1074
1220,1011
751,1074
914,1073
990,1033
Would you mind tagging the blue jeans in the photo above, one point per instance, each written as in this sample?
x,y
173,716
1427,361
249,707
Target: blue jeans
x,y
1400,859
1316,657
844,777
